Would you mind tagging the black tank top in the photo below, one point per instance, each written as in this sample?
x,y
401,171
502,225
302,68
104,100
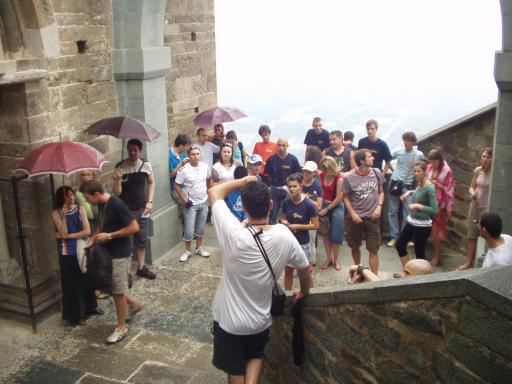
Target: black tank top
x,y
343,159
134,189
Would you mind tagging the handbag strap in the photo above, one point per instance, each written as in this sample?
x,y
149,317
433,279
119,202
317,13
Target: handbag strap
x,y
256,235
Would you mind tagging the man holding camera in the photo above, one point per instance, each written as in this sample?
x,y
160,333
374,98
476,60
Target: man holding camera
x,y
191,186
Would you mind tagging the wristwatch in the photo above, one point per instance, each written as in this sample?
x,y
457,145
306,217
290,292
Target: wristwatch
x,y
109,236
360,269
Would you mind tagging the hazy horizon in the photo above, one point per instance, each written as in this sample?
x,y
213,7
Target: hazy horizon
x,y
411,67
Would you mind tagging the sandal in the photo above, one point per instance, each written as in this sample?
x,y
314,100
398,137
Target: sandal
x,y
337,266
398,275
327,264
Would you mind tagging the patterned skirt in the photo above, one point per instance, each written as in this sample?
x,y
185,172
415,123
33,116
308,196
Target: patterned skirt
x,y
439,226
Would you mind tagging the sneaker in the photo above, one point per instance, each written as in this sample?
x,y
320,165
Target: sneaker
x,y
391,243
146,273
185,256
201,252
410,244
116,336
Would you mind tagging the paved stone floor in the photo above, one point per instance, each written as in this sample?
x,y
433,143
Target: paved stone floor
x,y
169,341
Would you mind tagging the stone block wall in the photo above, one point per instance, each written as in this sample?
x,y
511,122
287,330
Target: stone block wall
x,y
389,334
461,143
191,82
76,90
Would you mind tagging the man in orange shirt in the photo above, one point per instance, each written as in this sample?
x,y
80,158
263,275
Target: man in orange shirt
x,y
265,149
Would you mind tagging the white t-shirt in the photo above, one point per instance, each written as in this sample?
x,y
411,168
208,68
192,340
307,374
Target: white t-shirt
x,y
207,151
242,302
192,181
223,173
501,255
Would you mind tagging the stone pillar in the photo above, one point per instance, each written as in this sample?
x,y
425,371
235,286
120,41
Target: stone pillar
x,y
9,268
500,200
140,63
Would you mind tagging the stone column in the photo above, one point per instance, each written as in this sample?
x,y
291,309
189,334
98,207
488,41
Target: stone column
x,y
9,268
140,63
500,200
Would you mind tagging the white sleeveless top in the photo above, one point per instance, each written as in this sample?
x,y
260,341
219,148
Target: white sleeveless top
x,y
225,174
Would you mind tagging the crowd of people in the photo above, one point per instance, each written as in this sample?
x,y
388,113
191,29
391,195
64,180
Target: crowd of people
x,y
339,193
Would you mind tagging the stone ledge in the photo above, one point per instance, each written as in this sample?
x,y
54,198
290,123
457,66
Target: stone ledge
x,y
23,76
491,287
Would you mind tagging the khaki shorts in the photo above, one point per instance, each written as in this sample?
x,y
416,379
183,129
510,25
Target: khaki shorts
x,y
120,272
473,220
369,230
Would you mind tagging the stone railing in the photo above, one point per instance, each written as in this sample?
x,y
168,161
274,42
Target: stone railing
x,y
450,328
461,142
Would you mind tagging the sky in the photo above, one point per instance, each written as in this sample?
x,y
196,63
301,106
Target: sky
x,y
324,53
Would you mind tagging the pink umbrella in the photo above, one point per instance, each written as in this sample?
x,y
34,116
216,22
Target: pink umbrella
x,y
218,115
124,127
64,157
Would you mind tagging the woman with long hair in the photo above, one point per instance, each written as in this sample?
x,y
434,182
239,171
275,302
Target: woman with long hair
x,y
71,224
479,191
224,169
300,215
419,220
331,181
441,175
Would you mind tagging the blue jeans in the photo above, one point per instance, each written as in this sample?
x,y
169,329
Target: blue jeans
x,y
278,195
194,221
337,216
394,204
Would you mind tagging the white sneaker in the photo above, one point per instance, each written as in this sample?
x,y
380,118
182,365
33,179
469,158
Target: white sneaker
x,y
185,256
410,244
117,336
201,252
391,243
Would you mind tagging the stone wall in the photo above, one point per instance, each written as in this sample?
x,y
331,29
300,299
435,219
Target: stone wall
x,y
402,332
76,90
461,142
191,82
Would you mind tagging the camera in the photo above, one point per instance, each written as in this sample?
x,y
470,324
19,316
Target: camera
x,y
188,204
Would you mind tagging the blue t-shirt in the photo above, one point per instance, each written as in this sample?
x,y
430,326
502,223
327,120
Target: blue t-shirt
x,y
234,203
299,214
174,161
321,141
279,169
380,149
315,187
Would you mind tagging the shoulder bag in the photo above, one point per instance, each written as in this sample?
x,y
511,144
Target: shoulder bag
x,y
278,295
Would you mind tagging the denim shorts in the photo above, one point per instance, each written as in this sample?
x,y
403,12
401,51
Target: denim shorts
x,y
194,221
337,216
307,251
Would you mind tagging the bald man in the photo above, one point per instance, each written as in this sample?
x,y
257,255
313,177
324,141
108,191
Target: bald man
x,y
415,267
279,166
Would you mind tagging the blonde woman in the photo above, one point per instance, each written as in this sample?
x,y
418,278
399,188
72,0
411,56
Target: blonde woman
x,y
331,181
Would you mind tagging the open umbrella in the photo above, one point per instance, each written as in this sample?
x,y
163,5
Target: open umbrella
x,y
64,157
218,115
124,127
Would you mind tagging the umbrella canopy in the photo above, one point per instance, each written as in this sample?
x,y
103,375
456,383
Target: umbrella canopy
x,y
63,158
124,127
219,115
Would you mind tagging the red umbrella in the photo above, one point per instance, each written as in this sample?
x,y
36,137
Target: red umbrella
x,y
124,127
63,158
219,115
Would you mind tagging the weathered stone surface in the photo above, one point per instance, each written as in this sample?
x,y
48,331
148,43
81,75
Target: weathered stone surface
x,y
398,374
488,329
447,371
45,372
489,366
161,374
381,333
419,321
105,361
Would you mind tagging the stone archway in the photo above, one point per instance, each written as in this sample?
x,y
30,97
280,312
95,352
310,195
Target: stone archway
x,y
501,188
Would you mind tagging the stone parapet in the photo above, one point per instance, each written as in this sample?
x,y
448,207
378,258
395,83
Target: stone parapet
x,y
461,142
450,327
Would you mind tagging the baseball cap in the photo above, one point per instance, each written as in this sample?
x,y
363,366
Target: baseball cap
x,y
253,159
310,166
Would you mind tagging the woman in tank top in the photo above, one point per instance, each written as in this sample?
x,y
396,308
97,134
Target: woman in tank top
x,y
70,221
332,180
479,191
224,169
